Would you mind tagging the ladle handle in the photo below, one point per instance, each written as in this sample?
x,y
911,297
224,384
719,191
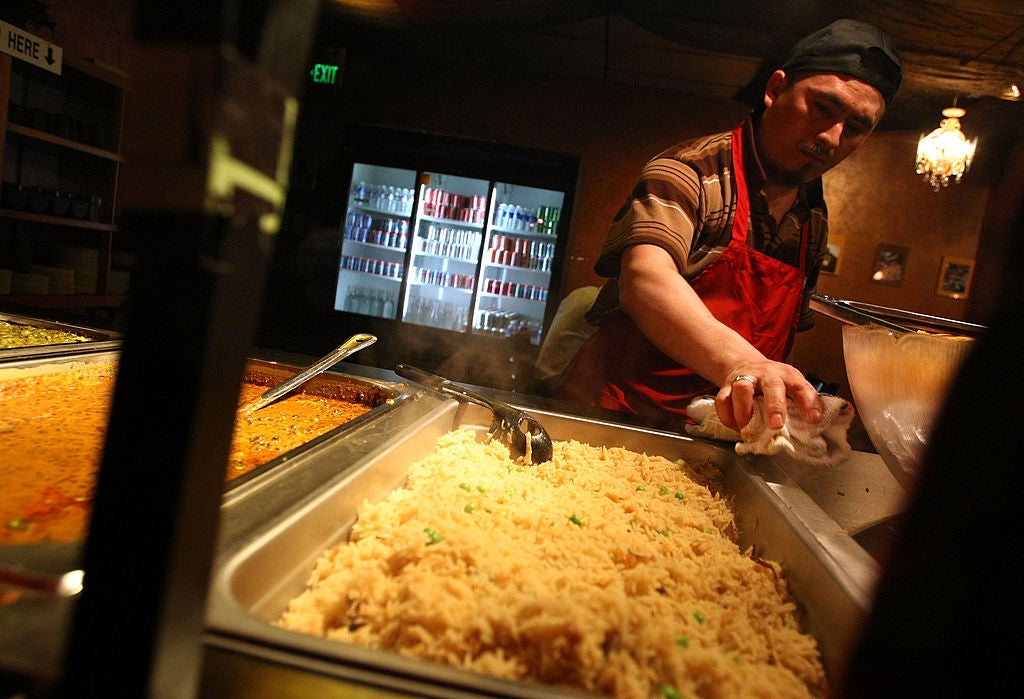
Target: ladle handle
x,y
352,344
441,384
66,584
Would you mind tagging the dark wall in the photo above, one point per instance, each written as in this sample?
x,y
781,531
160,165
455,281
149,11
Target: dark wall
x,y
410,81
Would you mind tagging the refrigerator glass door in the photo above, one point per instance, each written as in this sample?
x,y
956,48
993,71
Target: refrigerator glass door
x,y
446,239
516,269
374,240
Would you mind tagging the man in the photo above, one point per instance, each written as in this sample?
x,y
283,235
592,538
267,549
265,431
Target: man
x,y
712,260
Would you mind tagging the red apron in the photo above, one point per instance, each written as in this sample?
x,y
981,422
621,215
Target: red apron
x,y
751,292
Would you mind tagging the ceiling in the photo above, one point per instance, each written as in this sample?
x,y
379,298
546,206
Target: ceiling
x,y
964,50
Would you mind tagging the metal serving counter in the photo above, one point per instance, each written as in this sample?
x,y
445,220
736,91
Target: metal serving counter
x,y
830,574
272,526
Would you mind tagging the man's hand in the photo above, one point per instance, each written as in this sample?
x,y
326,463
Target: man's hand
x,y
775,380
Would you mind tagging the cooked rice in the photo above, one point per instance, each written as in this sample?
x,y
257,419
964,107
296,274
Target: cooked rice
x,y
605,570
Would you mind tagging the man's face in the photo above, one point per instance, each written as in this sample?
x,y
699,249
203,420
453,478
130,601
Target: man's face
x,y
812,124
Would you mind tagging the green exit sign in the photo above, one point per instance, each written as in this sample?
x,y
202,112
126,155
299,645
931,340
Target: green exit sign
x,y
324,73
326,66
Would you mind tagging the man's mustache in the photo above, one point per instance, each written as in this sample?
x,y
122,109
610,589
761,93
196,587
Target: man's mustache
x,y
817,150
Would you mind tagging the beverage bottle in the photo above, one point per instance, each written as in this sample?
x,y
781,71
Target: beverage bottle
x,y
529,220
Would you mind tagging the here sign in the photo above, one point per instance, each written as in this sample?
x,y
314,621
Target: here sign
x,y
30,48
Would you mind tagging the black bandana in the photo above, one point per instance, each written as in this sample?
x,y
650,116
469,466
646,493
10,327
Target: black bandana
x,y
851,48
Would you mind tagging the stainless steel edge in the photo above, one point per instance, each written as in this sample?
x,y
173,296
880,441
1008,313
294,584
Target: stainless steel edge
x,y
253,504
99,340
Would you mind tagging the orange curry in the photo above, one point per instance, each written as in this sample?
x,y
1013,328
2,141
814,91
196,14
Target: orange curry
x,y
52,428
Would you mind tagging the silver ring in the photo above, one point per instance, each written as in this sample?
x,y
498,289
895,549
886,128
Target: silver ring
x,y
745,377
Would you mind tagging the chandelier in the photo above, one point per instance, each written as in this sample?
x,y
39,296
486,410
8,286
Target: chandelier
x,y
945,154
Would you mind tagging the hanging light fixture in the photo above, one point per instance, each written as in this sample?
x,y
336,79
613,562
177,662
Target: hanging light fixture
x,y
945,154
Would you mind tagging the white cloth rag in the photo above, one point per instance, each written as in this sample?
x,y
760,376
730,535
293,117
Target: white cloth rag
x,y
822,444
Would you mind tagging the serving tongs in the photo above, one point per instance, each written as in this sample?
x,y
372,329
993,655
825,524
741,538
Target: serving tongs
x,y
349,346
857,313
519,431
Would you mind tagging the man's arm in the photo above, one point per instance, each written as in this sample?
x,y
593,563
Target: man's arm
x,y
675,320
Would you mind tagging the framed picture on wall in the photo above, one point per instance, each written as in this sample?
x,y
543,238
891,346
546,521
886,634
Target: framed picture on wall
x,y
833,255
955,277
890,264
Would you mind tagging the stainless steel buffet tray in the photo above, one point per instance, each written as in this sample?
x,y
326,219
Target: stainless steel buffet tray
x,y
33,629
830,575
380,396
99,340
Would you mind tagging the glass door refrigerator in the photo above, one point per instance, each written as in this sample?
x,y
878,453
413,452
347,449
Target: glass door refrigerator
x,y
454,235
515,269
445,256
375,240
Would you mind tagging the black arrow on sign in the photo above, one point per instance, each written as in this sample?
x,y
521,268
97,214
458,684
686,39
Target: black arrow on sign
x,y
49,55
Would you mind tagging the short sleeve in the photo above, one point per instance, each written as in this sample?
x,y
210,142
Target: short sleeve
x,y
662,210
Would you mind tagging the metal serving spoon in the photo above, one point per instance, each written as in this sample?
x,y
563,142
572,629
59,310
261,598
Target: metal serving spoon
x,y
349,346
66,584
520,431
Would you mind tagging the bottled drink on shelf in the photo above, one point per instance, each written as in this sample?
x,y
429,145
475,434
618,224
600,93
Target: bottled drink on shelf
x,y
521,252
387,232
439,203
434,277
446,241
370,302
507,323
383,197
532,292
369,265
446,315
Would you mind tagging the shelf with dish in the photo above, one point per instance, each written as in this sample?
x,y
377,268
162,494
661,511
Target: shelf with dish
x,y
54,220
61,137
20,130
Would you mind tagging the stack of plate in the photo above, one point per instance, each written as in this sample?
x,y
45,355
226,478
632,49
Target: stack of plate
x,y
62,279
117,283
30,284
85,263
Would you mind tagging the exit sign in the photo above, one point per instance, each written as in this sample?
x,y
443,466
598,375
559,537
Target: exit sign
x,y
30,48
326,66
324,74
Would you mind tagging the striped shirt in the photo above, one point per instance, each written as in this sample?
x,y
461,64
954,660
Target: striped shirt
x,y
684,202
